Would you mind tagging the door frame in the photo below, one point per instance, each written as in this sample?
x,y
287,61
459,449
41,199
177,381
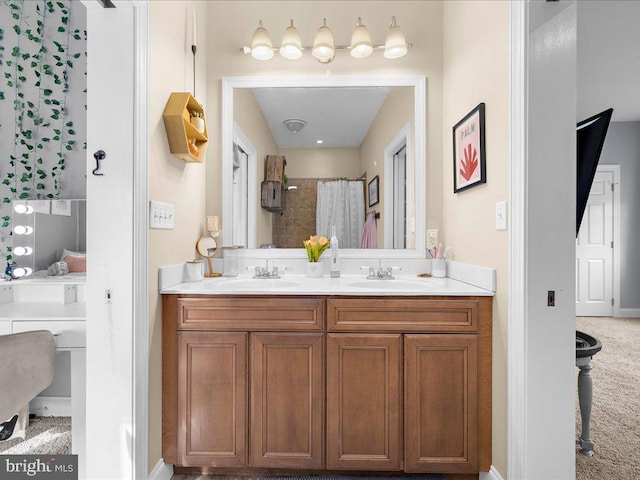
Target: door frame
x,y
526,440
136,327
244,142
403,137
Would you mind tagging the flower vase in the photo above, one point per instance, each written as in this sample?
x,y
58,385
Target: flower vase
x,y
314,269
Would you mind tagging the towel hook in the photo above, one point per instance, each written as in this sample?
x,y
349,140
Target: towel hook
x,y
99,156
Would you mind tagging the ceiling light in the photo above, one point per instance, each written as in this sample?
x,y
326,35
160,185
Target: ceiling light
x,y
323,46
319,142
361,46
294,125
261,47
395,46
291,46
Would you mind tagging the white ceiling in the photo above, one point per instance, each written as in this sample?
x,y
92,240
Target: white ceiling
x,y
609,59
340,116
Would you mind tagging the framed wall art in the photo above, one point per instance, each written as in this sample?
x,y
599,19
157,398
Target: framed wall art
x,y
373,191
469,162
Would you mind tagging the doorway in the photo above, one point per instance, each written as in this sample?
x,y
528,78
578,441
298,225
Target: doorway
x,y
398,219
595,266
399,182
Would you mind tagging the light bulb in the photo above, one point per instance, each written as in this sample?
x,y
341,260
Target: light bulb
x,y
22,272
22,230
291,46
395,46
21,251
323,46
261,47
361,46
23,209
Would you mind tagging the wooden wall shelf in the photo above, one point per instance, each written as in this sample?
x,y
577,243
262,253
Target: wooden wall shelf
x,y
177,122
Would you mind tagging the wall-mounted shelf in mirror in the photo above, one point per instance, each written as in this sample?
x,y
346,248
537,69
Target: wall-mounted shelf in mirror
x,y
185,140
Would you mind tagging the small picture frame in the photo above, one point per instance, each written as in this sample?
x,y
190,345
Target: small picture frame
x,y
469,162
373,191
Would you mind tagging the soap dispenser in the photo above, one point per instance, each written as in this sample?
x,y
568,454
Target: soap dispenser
x,y
335,262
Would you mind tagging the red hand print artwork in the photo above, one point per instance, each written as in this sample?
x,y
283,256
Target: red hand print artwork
x,y
469,163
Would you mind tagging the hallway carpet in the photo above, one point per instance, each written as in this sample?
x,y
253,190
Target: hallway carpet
x,y
45,435
615,417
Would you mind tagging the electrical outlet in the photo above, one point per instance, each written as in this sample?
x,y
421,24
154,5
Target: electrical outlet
x,y
432,238
161,215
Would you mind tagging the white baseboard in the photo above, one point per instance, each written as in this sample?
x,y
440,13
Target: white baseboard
x,y
161,471
492,474
51,406
627,313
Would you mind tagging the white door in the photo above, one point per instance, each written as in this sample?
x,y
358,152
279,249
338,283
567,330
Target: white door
x,y
594,250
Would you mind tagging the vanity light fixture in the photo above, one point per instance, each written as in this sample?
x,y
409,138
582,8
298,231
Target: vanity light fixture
x,y
395,45
261,47
21,251
294,125
361,45
323,49
291,46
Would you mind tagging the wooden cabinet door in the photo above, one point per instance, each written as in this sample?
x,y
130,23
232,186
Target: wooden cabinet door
x,y
364,402
212,399
441,403
287,400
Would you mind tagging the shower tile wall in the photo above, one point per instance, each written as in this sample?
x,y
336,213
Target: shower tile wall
x,y
298,221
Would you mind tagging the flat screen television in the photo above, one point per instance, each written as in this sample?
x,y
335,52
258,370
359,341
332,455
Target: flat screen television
x,y
591,134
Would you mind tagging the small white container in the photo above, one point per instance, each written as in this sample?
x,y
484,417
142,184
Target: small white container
x,y
438,268
314,269
194,271
198,123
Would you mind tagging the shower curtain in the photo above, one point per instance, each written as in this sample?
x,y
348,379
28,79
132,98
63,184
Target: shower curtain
x,y
341,203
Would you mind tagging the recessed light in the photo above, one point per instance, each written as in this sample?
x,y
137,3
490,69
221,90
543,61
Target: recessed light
x,y
319,141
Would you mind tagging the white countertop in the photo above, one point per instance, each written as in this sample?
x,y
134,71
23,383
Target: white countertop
x,y
345,285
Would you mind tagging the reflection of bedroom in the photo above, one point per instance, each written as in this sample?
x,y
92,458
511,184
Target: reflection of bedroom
x,y
43,64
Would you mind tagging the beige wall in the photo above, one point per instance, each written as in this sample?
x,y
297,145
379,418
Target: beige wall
x,y
249,117
170,179
396,111
232,24
478,71
322,162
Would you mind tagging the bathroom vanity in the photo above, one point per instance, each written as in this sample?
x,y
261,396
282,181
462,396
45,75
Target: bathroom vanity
x,y
336,375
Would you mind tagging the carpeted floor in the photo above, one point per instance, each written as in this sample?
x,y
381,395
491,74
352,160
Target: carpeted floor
x,y
615,417
45,435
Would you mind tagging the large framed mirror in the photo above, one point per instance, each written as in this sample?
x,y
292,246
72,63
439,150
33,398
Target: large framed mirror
x,y
354,150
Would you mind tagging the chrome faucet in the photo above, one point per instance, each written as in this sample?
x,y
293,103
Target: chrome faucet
x,y
264,273
382,273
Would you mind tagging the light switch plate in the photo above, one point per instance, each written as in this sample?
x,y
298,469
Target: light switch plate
x,y
161,215
432,238
501,215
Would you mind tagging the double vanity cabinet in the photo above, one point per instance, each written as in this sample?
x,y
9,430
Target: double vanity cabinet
x,y
277,383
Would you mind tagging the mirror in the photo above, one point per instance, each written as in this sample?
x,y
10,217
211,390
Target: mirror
x,y
47,231
354,148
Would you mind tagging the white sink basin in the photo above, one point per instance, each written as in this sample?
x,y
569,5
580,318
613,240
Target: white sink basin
x,y
255,284
392,284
